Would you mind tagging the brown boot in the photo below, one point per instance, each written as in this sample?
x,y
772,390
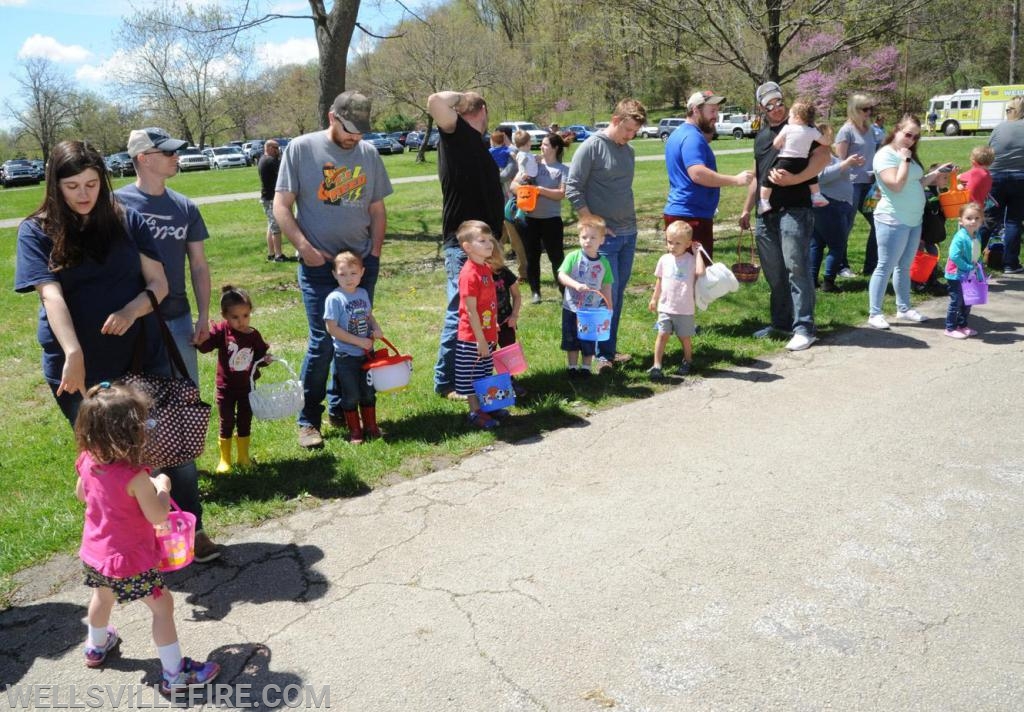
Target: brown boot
x,y
355,431
369,413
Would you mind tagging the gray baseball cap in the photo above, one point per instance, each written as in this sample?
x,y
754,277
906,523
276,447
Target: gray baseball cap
x,y
766,92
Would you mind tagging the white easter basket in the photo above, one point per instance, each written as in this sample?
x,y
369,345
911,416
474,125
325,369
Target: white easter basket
x,y
270,401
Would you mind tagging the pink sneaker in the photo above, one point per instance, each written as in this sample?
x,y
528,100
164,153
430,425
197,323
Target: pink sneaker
x,y
955,334
967,331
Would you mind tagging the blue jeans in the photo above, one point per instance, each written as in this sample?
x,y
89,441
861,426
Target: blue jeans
x,y
619,251
832,225
956,315
350,382
182,329
897,245
783,244
1008,191
444,370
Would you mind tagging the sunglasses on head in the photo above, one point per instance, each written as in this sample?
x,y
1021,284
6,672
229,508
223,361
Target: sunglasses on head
x,y
166,153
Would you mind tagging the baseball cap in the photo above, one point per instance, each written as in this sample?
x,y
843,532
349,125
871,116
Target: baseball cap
x,y
699,98
766,92
141,140
352,110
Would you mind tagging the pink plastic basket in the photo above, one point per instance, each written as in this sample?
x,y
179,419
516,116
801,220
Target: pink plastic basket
x,y
177,539
510,359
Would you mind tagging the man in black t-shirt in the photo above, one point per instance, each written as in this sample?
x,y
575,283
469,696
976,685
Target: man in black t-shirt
x,y
268,168
470,190
783,233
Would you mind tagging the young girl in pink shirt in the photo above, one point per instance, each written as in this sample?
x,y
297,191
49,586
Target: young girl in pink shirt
x,y
119,547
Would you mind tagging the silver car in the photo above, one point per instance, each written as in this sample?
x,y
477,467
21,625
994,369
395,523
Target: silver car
x,y
192,159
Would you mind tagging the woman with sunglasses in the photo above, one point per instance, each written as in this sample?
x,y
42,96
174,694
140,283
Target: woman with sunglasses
x,y
1007,140
89,260
857,138
898,218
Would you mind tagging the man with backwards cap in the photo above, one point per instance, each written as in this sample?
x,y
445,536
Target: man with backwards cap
x,y
179,232
784,233
694,183
330,198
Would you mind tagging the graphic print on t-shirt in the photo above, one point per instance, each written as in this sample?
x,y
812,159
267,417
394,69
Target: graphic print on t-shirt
x,y
164,227
341,184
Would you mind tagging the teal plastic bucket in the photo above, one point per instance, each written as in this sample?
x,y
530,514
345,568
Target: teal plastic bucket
x,y
495,392
594,323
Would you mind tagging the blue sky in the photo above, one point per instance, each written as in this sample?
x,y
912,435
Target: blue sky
x,y
79,37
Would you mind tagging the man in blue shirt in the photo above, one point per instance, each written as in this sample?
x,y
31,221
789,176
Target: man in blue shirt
x,y
694,183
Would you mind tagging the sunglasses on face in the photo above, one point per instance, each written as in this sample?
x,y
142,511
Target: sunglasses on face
x,y
166,153
911,135
868,109
772,106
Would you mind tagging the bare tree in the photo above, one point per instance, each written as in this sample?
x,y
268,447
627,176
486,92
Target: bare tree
x,y
49,103
177,67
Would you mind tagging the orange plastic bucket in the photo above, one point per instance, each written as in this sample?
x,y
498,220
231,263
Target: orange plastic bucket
x,y
953,199
526,197
509,359
922,267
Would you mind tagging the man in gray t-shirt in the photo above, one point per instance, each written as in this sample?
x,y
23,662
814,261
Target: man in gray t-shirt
x,y
330,198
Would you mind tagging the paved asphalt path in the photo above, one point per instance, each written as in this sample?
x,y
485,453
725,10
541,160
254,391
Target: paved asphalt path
x,y
839,528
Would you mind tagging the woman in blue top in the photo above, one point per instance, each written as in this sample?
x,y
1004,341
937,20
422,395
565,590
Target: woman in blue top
x,y
857,138
90,261
898,218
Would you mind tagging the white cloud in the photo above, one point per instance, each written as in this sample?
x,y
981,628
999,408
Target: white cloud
x,y
11,3
49,48
292,51
104,73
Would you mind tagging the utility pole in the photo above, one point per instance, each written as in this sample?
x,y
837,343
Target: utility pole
x,y
1014,37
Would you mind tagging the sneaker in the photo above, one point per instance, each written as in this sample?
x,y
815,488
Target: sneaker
x,y
535,298
602,364
622,358
310,437
336,421
1013,270
270,258
763,333
818,200
655,373
911,315
967,331
94,657
280,258
453,396
205,549
847,273
955,334
480,419
877,321
684,369
799,342
191,674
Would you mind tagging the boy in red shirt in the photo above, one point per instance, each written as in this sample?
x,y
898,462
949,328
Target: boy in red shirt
x,y
478,317
978,181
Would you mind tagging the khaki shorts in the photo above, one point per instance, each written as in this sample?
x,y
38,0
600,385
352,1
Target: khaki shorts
x,y
681,325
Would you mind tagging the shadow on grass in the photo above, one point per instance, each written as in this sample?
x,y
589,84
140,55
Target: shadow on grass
x,y
323,475
46,630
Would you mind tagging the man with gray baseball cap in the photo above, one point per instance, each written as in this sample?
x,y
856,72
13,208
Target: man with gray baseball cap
x,y
330,198
783,234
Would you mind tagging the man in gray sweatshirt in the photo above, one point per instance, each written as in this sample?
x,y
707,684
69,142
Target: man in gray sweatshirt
x,y
601,183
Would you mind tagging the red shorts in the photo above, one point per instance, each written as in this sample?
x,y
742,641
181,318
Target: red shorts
x,y
703,230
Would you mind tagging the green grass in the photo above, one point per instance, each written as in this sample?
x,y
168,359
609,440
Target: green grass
x,y
39,515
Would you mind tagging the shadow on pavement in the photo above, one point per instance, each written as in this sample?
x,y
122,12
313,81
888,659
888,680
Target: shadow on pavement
x,y
46,630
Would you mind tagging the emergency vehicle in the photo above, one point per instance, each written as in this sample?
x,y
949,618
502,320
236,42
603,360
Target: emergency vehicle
x,y
968,110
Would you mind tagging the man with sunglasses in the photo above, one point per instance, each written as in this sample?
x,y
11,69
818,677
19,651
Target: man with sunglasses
x,y
783,233
330,198
179,232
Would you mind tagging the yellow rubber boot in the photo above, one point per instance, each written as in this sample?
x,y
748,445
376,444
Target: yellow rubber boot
x,y
242,450
224,466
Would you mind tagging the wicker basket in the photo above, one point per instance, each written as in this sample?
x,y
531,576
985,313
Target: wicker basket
x,y
745,271
270,401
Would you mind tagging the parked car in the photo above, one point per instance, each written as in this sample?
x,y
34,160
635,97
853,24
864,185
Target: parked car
x,y
18,171
226,157
253,149
399,136
40,168
537,134
601,125
415,139
120,164
384,144
737,126
582,132
647,131
667,126
192,159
